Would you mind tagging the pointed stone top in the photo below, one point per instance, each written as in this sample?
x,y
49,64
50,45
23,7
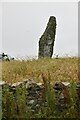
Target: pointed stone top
x,y
52,18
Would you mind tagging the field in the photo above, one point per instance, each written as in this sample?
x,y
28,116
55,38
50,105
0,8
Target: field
x,y
62,69
46,71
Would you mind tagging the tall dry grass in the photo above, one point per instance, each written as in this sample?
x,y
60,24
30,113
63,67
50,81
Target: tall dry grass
x,y
61,69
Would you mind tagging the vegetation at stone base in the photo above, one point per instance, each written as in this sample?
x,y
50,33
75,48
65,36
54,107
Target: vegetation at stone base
x,y
14,104
0,102
46,71
61,69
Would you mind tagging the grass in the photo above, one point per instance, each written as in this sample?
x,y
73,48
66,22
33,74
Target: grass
x,y
41,70
14,105
62,69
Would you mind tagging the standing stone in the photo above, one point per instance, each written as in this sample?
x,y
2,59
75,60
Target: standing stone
x,y
46,41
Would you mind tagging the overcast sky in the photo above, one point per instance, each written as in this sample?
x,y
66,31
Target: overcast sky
x,y
24,23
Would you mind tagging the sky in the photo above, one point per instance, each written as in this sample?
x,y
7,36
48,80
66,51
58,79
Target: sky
x,y
23,23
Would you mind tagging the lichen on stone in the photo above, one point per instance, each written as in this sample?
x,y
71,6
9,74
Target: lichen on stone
x,y
46,42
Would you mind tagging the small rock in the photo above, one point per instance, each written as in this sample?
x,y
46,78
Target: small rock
x,y
61,96
65,83
37,105
58,86
16,84
31,101
78,85
33,111
61,85
2,83
30,83
40,84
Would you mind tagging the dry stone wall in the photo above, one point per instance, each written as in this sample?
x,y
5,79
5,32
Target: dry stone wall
x,y
34,93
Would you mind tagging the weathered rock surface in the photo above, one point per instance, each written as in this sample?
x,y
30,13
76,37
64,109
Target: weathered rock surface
x,y
46,41
34,94
16,84
61,95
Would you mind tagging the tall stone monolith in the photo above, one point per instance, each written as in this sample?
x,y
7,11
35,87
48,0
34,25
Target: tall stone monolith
x,y
46,42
